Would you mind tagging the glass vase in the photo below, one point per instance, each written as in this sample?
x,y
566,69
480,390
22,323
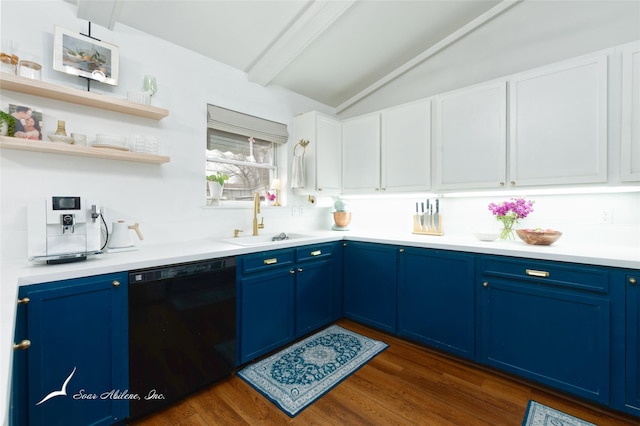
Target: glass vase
x,y
507,228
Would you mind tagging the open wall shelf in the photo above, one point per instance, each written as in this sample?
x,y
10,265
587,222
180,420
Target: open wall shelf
x,y
79,97
80,151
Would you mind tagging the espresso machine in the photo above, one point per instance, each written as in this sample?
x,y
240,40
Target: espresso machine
x,y
63,229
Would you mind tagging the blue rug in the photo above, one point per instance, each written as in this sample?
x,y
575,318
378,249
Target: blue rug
x,y
541,415
298,375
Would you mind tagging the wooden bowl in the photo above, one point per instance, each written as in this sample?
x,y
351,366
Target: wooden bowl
x,y
539,237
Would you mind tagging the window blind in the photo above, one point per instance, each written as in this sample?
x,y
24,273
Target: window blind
x,y
238,123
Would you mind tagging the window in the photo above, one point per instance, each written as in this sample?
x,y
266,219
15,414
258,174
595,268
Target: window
x,y
243,147
250,166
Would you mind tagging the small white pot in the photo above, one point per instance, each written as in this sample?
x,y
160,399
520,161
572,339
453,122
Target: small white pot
x,y
215,189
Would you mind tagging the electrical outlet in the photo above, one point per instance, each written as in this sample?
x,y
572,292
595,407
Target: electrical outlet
x,y
607,216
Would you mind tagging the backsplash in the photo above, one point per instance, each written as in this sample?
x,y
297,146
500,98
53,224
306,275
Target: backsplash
x,y
580,217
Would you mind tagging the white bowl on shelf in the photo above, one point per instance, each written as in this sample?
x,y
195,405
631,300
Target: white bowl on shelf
x,y
61,138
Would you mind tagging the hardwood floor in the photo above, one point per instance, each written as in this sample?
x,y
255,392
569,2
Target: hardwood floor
x,y
404,385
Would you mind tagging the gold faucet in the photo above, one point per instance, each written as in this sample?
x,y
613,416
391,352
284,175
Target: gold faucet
x,y
256,210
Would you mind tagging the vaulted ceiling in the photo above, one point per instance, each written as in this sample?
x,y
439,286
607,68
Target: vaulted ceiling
x,y
335,52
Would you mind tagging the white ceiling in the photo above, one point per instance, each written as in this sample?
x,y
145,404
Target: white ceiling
x,y
335,52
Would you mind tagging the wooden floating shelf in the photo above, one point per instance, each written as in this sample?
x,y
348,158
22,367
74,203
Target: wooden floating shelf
x,y
79,97
80,151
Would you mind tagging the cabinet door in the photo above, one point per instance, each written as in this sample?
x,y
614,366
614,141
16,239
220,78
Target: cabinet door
x,y
558,124
267,312
436,303
78,339
323,155
632,347
406,148
314,295
556,337
328,155
471,137
361,154
630,159
370,284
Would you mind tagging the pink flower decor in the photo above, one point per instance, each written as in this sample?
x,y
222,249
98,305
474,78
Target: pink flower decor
x,y
270,196
508,212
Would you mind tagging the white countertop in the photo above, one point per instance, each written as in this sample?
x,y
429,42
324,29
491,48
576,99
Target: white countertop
x,y
24,273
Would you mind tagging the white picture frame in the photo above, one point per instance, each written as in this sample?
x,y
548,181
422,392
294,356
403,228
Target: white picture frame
x,y
83,56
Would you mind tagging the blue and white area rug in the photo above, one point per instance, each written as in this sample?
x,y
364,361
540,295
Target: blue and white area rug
x,y
541,415
298,375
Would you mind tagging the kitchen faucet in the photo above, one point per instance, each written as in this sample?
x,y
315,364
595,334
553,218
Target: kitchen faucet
x,y
256,210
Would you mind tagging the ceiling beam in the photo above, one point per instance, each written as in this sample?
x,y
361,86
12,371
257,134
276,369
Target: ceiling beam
x,y
104,12
312,23
448,40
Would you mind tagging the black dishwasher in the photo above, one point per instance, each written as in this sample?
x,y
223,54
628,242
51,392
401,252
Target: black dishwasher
x,y
182,331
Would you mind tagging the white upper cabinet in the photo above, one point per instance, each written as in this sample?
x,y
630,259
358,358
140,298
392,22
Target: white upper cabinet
x,y
406,148
323,155
389,151
558,124
630,158
361,154
470,137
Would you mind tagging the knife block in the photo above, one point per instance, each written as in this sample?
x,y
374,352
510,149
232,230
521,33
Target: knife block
x,y
427,225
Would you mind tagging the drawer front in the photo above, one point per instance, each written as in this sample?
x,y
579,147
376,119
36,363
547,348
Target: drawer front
x,y
571,275
262,261
314,252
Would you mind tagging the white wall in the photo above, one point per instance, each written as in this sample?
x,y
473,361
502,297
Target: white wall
x,y
166,200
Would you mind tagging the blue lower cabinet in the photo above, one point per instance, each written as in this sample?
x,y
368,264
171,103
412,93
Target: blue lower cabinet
x,y
266,312
436,303
285,294
370,284
542,328
75,369
314,295
632,340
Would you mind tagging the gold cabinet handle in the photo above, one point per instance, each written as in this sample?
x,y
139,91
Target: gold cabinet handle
x,y
401,250
291,271
299,269
512,183
271,261
116,283
344,244
24,301
485,284
22,345
534,273
501,183
632,281
316,253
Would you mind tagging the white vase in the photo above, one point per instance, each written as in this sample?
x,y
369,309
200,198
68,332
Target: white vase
x,y
215,189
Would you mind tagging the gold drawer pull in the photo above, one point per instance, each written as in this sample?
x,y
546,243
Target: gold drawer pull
x,y
316,253
534,273
271,261
24,301
22,345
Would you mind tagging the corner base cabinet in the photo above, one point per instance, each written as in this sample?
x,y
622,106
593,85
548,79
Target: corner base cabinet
x,y
77,331
548,322
436,299
370,284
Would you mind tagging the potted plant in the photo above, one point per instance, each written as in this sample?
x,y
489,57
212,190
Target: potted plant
x,y
216,184
7,124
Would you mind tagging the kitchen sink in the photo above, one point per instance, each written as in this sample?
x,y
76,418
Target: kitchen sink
x,y
266,239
